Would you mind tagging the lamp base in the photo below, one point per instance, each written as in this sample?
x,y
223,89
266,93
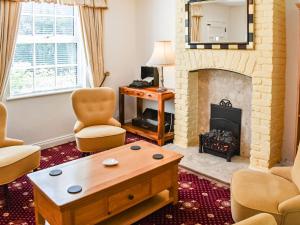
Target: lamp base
x,y
161,89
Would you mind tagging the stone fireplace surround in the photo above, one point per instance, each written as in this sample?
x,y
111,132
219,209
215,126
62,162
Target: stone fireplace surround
x,y
265,65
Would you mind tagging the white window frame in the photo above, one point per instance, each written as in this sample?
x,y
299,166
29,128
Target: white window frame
x,y
37,39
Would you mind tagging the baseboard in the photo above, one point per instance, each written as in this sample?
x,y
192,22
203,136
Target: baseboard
x,y
56,141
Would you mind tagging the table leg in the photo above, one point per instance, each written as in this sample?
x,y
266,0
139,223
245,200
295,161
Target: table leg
x,y
161,121
174,188
139,107
121,107
39,220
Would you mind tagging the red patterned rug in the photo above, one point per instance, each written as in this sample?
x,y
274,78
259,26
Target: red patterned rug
x,y
201,201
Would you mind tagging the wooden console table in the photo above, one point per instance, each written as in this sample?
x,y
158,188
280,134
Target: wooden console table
x,y
151,94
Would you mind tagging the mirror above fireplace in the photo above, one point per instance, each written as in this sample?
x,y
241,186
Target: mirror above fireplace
x,y
220,24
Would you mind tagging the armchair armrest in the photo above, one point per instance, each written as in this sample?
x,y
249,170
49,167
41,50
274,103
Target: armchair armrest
x,y
265,219
7,142
284,172
114,122
290,205
78,126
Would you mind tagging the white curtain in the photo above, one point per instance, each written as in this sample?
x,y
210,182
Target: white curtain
x,y
195,29
9,22
195,22
92,26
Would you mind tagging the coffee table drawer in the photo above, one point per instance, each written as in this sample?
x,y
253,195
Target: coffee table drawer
x,y
92,211
128,197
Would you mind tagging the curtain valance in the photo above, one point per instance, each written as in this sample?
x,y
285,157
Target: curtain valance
x,y
89,3
196,9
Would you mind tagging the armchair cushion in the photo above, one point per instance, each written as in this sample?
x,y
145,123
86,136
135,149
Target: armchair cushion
x,y
284,172
99,138
254,191
16,161
260,219
290,205
99,131
10,155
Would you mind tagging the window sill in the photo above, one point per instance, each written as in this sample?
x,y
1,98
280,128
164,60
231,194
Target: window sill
x,y
43,94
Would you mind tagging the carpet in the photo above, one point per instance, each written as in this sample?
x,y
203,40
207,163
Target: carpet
x,y
202,201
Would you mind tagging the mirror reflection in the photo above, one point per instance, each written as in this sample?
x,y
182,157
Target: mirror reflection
x,y
218,21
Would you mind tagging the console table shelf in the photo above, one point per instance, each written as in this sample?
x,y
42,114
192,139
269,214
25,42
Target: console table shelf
x,y
146,133
150,94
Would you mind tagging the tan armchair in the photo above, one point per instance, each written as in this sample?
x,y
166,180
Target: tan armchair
x,y
96,129
260,219
276,193
16,159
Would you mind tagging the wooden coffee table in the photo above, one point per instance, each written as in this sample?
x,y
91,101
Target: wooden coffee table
x,y
123,194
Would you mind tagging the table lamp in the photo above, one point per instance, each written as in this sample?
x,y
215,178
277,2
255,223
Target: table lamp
x,y
163,55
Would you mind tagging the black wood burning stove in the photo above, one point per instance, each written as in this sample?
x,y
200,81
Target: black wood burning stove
x,y
223,139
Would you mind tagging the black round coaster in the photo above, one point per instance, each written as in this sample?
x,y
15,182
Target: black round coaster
x,y
135,147
158,156
55,173
75,189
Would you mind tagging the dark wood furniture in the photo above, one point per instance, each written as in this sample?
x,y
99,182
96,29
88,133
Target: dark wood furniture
x,y
150,94
122,194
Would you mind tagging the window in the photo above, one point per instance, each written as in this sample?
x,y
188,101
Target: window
x,y
48,54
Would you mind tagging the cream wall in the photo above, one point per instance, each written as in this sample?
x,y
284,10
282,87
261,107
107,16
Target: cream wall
x,y
292,24
50,118
155,20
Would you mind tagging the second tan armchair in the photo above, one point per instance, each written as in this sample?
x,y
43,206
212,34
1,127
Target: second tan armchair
x,y
276,193
96,130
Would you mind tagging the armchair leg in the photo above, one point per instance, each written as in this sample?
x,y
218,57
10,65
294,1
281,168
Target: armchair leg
x,y
84,154
6,194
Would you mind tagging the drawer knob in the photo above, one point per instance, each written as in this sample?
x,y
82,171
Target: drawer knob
x,y
108,212
130,197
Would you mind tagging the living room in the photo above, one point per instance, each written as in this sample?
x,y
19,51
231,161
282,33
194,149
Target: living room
x,y
57,52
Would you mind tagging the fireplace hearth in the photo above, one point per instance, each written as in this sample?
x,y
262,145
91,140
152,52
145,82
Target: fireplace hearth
x,y
223,139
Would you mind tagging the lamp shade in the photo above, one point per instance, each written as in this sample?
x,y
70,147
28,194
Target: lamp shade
x,y
163,54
